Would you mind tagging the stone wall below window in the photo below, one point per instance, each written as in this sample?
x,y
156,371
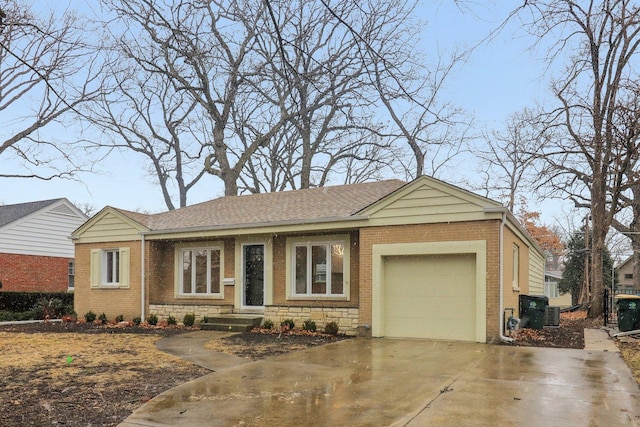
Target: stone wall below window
x,y
178,311
346,318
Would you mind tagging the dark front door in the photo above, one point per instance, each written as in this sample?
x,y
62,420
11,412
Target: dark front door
x,y
253,276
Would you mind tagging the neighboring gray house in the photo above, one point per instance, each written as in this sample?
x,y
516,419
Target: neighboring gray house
x,y
36,254
625,278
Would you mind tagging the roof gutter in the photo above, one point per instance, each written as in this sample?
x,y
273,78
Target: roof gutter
x,y
233,227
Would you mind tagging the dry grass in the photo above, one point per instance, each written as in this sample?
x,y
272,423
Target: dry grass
x,y
82,379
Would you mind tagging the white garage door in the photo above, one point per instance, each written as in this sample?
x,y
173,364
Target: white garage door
x,y
430,296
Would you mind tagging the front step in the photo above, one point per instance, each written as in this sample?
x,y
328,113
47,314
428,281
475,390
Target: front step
x,y
231,323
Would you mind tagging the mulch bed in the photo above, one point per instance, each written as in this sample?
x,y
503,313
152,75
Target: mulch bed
x,y
93,328
570,334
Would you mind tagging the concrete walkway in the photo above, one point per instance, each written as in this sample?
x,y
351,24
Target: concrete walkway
x,y
190,346
381,382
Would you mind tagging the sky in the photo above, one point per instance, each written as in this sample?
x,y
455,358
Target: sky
x,y
499,78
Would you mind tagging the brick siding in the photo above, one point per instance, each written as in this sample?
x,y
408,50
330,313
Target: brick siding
x,y
30,273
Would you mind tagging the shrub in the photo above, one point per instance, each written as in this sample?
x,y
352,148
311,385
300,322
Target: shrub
x,y
53,308
268,324
205,319
189,319
152,320
102,318
309,325
89,316
288,324
171,320
331,328
120,318
137,321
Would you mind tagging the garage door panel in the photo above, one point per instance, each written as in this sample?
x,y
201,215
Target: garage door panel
x,y
430,296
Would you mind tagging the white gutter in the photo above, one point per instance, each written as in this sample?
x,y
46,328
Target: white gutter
x,y
501,312
142,279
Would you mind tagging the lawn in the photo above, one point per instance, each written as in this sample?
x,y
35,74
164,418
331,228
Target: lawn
x,y
82,379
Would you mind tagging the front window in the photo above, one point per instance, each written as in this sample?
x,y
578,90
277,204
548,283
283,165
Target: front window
x,y
318,269
200,271
112,267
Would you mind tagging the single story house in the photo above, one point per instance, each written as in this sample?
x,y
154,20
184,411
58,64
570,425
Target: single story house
x,y
422,259
36,254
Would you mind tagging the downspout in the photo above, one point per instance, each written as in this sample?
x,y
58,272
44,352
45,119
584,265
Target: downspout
x,y
503,338
142,279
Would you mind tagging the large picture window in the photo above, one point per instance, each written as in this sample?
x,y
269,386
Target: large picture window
x,y
200,271
319,268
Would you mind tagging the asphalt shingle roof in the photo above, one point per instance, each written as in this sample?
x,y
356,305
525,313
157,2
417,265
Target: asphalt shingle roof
x,y
10,213
306,205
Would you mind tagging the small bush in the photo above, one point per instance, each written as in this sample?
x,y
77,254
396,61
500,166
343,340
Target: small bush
x,y
268,324
205,319
103,318
137,321
89,317
120,318
152,320
189,319
309,325
52,308
288,324
171,320
331,328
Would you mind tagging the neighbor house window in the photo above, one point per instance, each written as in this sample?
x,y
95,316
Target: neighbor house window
x,y
72,274
628,276
516,267
551,289
200,271
109,268
318,268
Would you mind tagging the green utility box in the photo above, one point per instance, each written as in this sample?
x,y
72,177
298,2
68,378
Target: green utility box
x,y
532,308
628,312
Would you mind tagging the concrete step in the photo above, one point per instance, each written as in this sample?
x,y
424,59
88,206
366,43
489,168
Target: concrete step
x,y
231,323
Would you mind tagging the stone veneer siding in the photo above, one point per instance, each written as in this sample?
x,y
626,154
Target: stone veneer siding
x,y
346,318
163,311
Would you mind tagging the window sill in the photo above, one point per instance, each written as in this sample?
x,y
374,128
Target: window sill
x,y
316,298
200,296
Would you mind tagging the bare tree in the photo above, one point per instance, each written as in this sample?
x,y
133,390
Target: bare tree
x,y
599,40
47,71
508,156
317,74
144,113
205,50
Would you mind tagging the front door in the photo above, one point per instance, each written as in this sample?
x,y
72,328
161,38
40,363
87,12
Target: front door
x,y
253,286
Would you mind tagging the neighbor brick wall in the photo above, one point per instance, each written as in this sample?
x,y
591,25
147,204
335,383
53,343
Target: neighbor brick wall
x,y
30,273
458,231
112,302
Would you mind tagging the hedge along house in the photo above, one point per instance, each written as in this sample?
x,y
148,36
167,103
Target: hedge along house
x,y
422,259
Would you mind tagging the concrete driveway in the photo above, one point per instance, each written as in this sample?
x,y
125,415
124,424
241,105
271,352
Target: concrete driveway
x,y
384,382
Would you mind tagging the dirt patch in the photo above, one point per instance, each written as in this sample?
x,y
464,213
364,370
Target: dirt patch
x,y
80,375
261,343
570,334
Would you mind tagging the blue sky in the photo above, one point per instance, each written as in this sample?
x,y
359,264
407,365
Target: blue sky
x,y
499,78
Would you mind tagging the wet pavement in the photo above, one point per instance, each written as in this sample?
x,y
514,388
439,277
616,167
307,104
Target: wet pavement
x,y
382,382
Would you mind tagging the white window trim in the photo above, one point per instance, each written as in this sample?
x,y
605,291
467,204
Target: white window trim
x,y
98,274
292,242
179,248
